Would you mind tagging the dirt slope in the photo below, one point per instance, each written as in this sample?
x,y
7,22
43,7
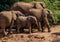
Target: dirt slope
x,y
53,36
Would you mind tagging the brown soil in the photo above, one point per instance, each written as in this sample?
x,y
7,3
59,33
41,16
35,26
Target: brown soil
x,y
53,36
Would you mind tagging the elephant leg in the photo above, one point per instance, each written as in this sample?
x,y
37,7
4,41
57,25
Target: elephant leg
x,y
3,26
29,25
47,24
18,28
11,27
10,31
3,31
39,26
42,29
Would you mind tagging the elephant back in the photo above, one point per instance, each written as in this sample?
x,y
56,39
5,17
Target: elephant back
x,y
36,12
22,20
5,18
21,6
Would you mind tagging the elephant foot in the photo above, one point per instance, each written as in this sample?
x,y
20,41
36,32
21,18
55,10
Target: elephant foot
x,y
10,32
42,31
39,30
4,33
49,30
18,32
29,32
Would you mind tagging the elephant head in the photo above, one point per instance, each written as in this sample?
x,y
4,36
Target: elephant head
x,y
38,5
43,4
49,14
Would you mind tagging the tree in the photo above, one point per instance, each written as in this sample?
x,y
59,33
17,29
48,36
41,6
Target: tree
x,y
6,4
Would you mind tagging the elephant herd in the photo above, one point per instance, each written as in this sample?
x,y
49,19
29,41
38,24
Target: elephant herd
x,y
23,14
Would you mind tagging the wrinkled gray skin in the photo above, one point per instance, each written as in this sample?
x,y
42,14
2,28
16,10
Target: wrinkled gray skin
x,y
33,9
15,16
50,16
42,16
44,22
24,7
7,19
23,21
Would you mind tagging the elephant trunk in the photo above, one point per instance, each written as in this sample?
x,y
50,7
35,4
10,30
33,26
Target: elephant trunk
x,y
50,16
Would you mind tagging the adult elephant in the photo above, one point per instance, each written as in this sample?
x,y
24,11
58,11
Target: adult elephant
x,y
32,8
44,22
7,19
42,16
24,7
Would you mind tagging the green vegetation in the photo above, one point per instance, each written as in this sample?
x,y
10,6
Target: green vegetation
x,y
53,5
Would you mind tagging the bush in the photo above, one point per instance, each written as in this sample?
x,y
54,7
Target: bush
x,y
4,7
56,15
6,4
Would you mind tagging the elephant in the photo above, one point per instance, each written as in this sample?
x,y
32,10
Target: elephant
x,y
7,19
23,21
50,16
17,13
42,16
33,10
24,7
21,6
45,22
15,17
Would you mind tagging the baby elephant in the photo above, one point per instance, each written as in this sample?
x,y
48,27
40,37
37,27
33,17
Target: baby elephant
x,y
23,21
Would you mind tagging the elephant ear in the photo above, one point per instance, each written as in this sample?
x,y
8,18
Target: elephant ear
x,y
33,4
43,4
38,5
